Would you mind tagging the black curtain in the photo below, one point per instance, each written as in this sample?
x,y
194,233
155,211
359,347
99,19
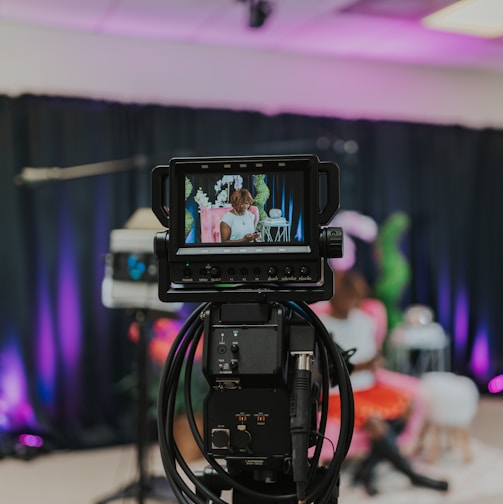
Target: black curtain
x,y
62,353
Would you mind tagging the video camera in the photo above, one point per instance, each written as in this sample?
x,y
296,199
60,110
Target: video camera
x,y
246,238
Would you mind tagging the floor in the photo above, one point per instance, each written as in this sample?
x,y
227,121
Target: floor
x,y
86,477
488,424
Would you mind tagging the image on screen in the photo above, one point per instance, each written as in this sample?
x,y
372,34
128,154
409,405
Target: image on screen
x,y
244,208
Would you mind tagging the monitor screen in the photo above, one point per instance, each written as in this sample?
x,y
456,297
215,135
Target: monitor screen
x,y
260,206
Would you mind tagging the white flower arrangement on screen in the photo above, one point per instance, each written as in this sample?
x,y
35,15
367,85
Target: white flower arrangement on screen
x,y
201,198
222,192
222,198
223,188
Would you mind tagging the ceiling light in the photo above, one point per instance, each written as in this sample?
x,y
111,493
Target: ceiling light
x,y
259,12
482,18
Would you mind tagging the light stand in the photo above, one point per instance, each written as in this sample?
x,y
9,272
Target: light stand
x,y
147,485
130,283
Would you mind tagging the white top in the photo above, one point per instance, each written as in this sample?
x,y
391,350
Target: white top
x,y
240,225
357,331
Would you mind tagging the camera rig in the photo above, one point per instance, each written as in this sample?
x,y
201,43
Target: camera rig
x,y
267,358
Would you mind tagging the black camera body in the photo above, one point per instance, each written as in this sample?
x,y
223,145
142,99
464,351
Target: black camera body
x,y
266,358
247,409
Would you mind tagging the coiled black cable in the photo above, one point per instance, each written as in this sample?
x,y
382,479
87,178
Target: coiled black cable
x,y
323,494
183,352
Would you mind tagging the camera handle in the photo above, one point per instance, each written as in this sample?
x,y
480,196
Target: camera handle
x,y
331,172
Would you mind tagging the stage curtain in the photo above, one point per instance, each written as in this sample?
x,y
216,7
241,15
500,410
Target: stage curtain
x,y
63,355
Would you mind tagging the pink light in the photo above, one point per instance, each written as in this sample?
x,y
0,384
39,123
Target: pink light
x,y
69,315
31,440
461,319
480,354
15,408
46,349
496,384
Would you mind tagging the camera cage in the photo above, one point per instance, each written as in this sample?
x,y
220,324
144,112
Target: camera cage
x,y
287,264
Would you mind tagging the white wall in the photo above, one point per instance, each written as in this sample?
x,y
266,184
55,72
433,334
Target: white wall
x,y
44,61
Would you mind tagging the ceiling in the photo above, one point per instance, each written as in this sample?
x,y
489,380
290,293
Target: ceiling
x,y
383,30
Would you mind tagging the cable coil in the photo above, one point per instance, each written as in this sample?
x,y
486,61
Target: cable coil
x,y
177,470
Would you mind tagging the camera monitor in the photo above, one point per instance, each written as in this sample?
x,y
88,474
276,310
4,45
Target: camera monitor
x,y
252,221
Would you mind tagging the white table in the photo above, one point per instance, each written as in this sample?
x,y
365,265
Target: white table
x,y
275,230
429,344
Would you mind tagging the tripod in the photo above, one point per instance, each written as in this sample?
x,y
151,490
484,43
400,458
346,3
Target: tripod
x,y
147,485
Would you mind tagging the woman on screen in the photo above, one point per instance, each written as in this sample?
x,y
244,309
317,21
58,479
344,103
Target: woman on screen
x,y
238,224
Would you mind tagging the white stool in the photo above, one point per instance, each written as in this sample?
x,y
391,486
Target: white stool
x,y
419,345
452,403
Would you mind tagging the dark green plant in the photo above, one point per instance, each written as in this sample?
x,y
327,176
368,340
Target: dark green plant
x,y
262,194
189,219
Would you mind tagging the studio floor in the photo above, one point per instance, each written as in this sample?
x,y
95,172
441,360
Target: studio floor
x,y
86,477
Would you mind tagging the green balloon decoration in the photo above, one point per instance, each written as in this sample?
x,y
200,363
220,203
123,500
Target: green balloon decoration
x,y
394,270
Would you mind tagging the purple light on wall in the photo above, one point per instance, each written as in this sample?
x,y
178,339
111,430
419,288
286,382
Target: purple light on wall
x,y
444,297
46,352
69,316
479,361
461,318
16,408
495,385
101,241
